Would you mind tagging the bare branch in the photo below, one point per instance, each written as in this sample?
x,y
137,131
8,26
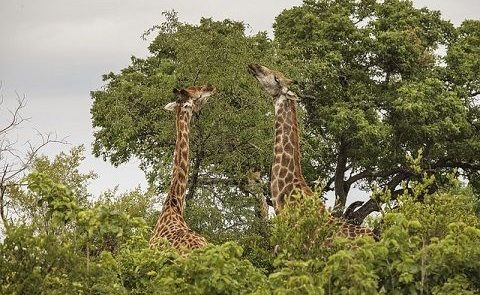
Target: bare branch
x,y
362,212
374,205
16,159
350,210
16,118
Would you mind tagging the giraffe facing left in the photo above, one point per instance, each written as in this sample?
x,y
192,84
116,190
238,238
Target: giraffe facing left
x,y
171,224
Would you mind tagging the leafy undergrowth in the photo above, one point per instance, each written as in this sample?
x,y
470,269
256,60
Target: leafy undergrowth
x,y
428,247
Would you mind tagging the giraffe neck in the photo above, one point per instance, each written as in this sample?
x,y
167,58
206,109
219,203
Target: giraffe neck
x,y
286,170
176,196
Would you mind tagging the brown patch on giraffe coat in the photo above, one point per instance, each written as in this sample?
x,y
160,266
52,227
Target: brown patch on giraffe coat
x,y
275,190
280,183
289,148
289,188
285,160
181,177
278,138
276,168
291,166
278,149
183,145
279,121
289,178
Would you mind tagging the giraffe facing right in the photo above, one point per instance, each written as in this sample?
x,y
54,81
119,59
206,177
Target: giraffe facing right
x,y
171,225
287,175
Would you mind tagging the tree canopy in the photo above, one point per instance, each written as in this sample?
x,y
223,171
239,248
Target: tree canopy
x,y
377,80
230,136
377,85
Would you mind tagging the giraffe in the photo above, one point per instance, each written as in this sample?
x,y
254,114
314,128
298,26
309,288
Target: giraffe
x,y
286,174
171,224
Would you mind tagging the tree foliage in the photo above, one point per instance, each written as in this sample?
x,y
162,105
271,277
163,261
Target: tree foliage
x,y
228,138
377,80
376,86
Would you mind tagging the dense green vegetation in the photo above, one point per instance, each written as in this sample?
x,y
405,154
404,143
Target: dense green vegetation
x,y
80,247
389,104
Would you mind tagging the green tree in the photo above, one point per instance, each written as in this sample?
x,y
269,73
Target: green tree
x,y
374,82
64,169
375,86
100,249
62,243
136,202
70,252
230,137
55,191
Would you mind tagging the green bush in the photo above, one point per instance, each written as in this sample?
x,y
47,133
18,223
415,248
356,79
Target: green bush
x,y
211,270
39,264
429,245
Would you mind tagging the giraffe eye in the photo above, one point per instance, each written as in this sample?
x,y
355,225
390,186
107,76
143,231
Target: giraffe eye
x,y
276,79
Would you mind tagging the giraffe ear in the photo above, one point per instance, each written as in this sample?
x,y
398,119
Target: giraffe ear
x,y
180,92
171,106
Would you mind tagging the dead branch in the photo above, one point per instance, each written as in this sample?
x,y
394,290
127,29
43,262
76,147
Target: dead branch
x,y
16,158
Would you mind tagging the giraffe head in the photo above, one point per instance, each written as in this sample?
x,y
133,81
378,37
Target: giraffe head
x,y
191,99
275,83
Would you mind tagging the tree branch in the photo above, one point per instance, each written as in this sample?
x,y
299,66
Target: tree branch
x,y
348,215
195,172
375,174
16,119
14,163
340,189
3,189
327,187
446,163
373,205
362,212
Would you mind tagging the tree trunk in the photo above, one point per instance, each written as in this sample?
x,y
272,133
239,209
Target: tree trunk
x,y
340,189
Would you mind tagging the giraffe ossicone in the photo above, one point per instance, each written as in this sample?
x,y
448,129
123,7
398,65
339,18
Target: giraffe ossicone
x,y
171,224
286,175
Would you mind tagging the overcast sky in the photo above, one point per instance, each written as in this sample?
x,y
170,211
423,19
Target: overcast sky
x,y
55,51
